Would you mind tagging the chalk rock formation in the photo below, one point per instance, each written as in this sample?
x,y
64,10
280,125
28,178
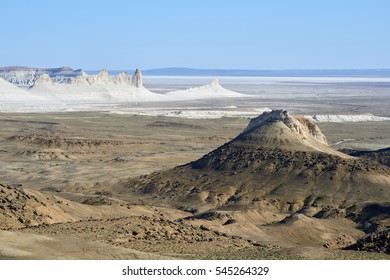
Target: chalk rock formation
x,y
299,125
137,78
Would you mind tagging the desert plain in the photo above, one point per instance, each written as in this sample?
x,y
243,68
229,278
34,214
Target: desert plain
x,y
76,185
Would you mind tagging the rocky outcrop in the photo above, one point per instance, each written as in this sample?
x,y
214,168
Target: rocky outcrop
x,y
215,83
281,159
137,78
299,125
382,156
373,242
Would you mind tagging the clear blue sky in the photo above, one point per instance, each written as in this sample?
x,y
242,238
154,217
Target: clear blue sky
x,y
243,34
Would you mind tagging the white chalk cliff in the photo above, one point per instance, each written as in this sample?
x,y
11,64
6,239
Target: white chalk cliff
x,y
137,78
104,78
98,88
26,76
103,88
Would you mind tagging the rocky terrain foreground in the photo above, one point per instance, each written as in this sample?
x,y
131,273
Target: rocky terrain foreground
x,y
281,165
73,187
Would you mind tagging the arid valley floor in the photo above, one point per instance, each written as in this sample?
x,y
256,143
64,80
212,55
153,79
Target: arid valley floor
x,y
74,167
105,185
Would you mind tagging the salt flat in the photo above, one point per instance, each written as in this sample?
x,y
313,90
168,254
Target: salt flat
x,y
335,99
303,95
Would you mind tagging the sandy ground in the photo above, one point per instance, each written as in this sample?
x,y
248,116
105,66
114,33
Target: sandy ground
x,y
16,245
